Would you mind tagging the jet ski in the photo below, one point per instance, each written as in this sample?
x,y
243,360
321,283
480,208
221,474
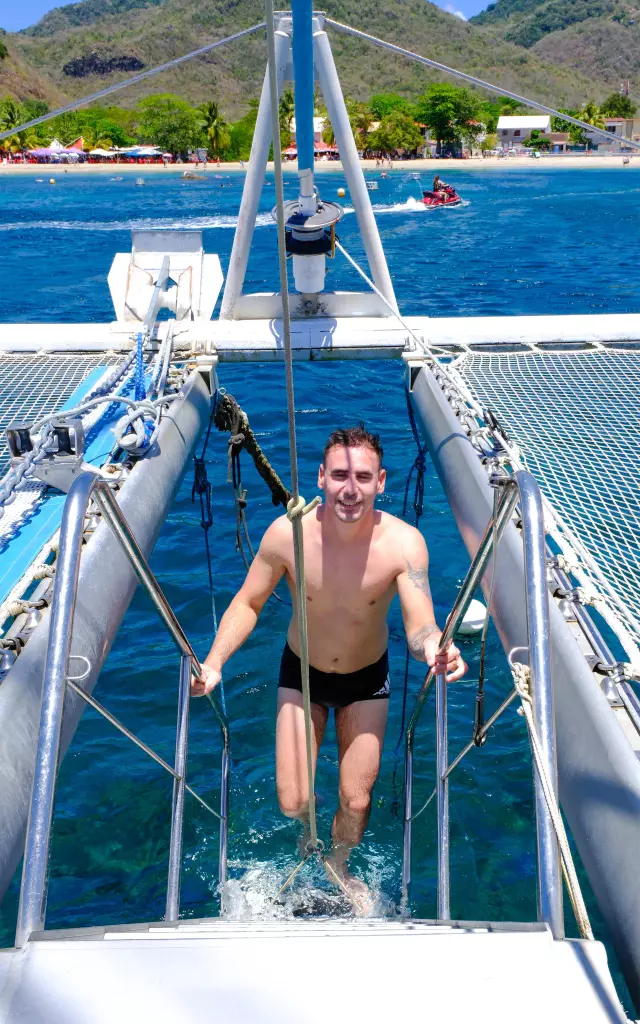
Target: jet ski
x,y
445,196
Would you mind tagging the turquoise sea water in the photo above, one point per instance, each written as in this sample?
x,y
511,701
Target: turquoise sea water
x,y
526,242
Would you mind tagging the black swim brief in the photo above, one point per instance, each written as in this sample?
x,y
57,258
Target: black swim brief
x,y
337,689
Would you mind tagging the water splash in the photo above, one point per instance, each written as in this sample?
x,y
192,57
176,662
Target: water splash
x,y
255,895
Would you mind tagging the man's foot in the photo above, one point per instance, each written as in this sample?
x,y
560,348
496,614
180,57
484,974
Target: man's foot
x,y
355,889
304,840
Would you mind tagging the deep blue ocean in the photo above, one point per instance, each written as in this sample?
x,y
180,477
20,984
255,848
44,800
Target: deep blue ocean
x,y
525,242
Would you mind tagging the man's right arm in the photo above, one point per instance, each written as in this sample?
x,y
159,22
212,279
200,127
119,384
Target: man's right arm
x,y
238,621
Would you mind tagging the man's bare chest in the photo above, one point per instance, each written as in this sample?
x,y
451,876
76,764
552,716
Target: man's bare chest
x,y
338,581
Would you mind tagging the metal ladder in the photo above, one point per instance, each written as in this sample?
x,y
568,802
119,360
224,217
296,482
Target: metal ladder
x,y
520,488
33,890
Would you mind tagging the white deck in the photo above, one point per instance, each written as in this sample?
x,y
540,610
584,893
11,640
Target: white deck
x,y
342,337
314,972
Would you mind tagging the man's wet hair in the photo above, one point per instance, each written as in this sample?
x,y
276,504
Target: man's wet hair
x,y
354,437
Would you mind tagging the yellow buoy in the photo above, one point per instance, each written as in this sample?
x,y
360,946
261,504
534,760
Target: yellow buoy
x,y
52,181
341,193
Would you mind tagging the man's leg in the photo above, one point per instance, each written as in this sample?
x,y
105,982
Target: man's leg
x,y
360,729
291,752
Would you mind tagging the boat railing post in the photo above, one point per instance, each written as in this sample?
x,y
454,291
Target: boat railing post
x,y
442,785
35,868
476,571
33,890
407,822
224,809
177,810
537,602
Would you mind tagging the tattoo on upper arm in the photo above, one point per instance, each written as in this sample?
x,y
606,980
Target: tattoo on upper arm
x,y
419,578
417,639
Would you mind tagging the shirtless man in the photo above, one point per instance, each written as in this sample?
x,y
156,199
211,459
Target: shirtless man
x,y
356,560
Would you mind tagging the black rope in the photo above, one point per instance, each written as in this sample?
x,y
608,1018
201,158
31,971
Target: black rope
x,y
229,416
202,489
419,468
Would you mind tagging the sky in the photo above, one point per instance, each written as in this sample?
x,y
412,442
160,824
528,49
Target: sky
x,y
14,16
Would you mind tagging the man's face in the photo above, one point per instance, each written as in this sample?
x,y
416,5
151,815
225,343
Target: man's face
x,y
351,478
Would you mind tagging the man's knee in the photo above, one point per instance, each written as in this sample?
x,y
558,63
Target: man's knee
x,y
292,804
356,801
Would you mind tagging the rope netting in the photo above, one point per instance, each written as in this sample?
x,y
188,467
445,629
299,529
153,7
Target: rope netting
x,y
575,417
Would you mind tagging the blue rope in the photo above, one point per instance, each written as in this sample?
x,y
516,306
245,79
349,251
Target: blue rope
x,y
140,388
140,385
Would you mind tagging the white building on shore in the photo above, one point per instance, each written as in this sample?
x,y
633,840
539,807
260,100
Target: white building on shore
x,y
514,130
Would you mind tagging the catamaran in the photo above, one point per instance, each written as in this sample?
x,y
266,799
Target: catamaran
x,y
100,421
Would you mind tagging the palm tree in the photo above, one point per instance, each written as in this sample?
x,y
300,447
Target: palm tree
x,y
217,129
10,117
94,139
287,110
327,132
590,114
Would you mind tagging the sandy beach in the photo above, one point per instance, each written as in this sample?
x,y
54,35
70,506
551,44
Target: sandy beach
x,y
521,162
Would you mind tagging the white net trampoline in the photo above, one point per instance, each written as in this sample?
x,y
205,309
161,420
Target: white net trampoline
x,y
576,419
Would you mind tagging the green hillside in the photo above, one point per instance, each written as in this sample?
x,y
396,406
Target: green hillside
x,y
83,14
598,38
80,48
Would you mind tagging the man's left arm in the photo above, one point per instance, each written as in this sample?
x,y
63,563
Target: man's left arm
x,y
423,634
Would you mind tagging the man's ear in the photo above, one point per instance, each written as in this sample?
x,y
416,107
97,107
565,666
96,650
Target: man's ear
x,y
321,476
382,479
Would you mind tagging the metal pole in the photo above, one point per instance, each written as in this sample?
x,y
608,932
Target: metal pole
x,y
33,890
224,812
442,786
296,523
537,597
113,515
476,571
339,118
301,48
407,824
117,522
254,180
177,810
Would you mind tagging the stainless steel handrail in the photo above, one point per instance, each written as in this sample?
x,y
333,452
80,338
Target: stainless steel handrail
x,y
33,890
520,487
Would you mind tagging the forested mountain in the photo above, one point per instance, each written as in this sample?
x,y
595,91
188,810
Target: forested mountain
x,y
599,38
79,48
